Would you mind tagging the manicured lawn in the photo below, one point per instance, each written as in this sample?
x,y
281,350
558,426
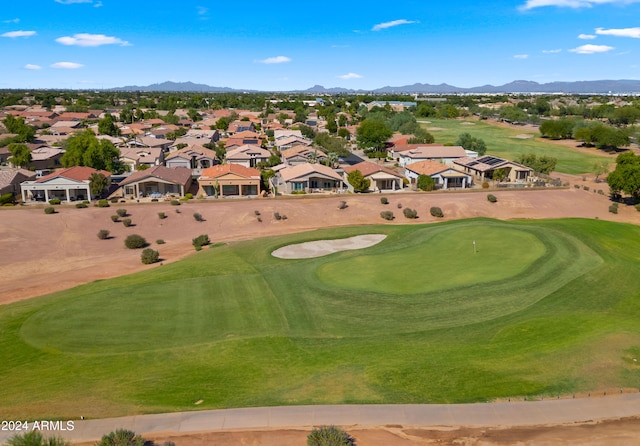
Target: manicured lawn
x,y
543,308
503,142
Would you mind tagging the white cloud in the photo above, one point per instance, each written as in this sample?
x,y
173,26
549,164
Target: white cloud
x,y
11,21
274,60
202,10
91,40
592,49
521,56
620,32
556,51
67,65
14,34
530,4
385,25
30,66
350,76
586,36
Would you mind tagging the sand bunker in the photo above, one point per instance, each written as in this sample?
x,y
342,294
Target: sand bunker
x,y
319,248
467,123
434,129
523,136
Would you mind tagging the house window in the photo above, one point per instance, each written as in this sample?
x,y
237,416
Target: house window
x,y
314,184
298,186
327,185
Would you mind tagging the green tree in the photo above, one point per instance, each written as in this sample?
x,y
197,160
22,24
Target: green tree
x,y
543,164
626,176
600,168
24,132
330,143
223,122
107,126
342,120
468,142
20,155
372,134
557,128
85,149
426,183
98,183
358,181
513,114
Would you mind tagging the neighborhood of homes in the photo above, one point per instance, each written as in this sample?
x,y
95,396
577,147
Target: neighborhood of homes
x,y
163,168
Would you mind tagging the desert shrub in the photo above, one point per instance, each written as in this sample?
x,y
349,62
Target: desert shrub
x,y
102,204
585,188
175,203
49,210
284,217
259,219
637,206
121,437
85,201
6,199
160,242
436,212
35,438
200,241
277,216
410,213
154,200
342,205
399,205
577,186
162,215
81,205
149,256
613,208
126,222
177,211
384,200
135,241
256,212
485,185
492,198
387,215
115,218
600,192
188,196
103,234
114,200
55,201
329,436
122,212
198,217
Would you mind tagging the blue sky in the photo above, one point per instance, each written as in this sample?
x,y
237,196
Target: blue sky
x,y
284,45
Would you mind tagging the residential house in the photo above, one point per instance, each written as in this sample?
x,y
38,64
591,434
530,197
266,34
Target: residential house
x,y
194,157
156,182
205,136
46,158
62,128
302,154
307,178
241,126
493,168
242,138
10,180
248,155
444,176
381,178
68,184
229,180
439,153
136,157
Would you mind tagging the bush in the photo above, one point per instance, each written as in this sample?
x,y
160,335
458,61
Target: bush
x,y
613,208
126,222
387,215
277,216
257,213
637,206
198,217
121,212
49,210
492,198
577,186
586,188
115,218
342,205
85,201
200,241
149,256
485,185
102,204
121,437
154,200
103,234
114,200
259,219
135,241
160,242
410,213
55,201
35,438
329,436
175,203
600,192
436,212
162,215
81,205
399,205
188,196
384,200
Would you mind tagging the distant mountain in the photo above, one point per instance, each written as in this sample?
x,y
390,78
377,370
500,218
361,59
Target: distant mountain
x,y
519,86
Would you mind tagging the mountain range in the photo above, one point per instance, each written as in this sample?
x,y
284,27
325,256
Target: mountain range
x,y
521,86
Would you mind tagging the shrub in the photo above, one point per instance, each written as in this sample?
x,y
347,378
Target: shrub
x,y
284,217
485,185
122,212
85,201
425,183
577,186
329,436
49,210
384,200
600,192
126,222
613,209
160,242
175,203
198,217
135,241
399,205
257,213
342,205
436,212
162,215
410,213
114,200
277,216
259,219
492,198
586,188
200,241
102,204
188,196
35,438
6,199
81,205
115,218
637,206
387,215
55,201
121,437
103,234
154,200
149,256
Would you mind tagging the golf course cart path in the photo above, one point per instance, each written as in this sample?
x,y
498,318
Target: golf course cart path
x,y
503,414
319,248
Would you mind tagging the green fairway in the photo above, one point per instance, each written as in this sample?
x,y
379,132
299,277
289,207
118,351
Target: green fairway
x,y
503,142
541,308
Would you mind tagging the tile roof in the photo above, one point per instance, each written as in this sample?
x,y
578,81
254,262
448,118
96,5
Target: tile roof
x,y
428,167
193,150
367,168
305,169
176,175
435,152
78,173
224,169
8,176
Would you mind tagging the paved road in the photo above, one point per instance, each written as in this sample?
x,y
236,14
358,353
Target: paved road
x,y
520,413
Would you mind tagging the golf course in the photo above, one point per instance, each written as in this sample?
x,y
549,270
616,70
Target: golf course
x,y
459,311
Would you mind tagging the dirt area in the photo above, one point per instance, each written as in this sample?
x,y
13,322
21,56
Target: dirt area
x,y
609,433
